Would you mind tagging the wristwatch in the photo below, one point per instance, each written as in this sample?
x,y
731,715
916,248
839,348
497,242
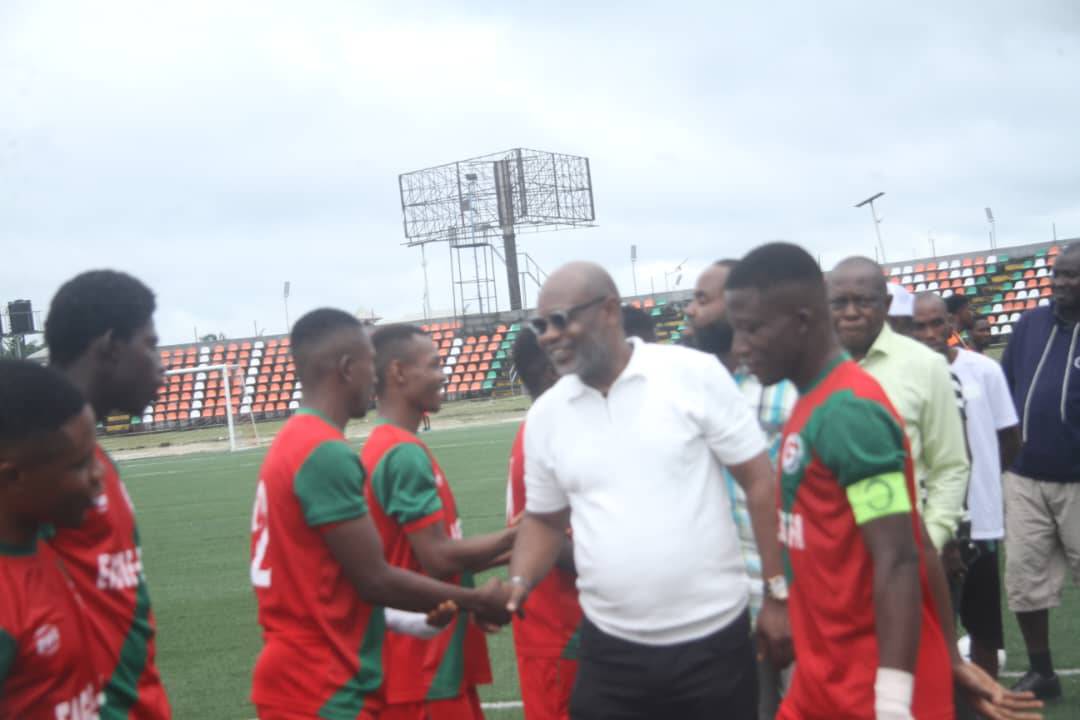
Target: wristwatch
x,y
776,587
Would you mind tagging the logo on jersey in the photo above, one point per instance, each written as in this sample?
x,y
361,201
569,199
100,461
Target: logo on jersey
x,y
1076,363
101,503
791,454
439,479
47,640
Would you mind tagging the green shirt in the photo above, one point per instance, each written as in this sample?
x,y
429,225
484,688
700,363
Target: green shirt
x,y
918,384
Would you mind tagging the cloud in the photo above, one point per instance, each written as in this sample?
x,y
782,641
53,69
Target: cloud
x,y
218,149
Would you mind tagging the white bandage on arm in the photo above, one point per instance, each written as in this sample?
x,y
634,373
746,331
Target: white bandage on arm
x,y
410,623
893,690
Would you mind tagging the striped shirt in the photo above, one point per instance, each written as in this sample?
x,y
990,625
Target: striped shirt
x,y
773,405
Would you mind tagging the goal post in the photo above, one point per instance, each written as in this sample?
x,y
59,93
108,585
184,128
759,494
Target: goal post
x,y
226,385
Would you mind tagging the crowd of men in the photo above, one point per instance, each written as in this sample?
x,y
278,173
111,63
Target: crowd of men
x,y
774,522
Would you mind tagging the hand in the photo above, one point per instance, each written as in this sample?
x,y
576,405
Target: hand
x,y
489,603
991,700
774,634
443,615
952,560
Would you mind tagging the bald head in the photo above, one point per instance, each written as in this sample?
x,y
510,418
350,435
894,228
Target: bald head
x,y
579,282
862,269
930,301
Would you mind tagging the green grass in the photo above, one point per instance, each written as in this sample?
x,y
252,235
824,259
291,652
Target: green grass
x,y
194,515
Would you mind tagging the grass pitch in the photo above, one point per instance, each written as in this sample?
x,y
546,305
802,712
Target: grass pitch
x,y
194,516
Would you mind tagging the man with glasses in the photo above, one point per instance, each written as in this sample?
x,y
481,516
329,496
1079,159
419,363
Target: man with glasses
x,y
629,448
918,383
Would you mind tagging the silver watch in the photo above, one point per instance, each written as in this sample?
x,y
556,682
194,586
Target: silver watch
x,y
777,588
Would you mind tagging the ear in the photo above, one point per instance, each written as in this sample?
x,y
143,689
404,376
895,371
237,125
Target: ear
x,y
105,347
805,316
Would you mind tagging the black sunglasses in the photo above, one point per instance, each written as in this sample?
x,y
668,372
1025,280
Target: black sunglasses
x,y
561,318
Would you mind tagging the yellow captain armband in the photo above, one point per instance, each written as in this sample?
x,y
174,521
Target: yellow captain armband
x,y
879,496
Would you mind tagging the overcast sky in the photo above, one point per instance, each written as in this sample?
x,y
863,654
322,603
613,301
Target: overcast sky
x,y
216,149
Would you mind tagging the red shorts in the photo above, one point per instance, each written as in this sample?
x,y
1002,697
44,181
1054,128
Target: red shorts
x,y
465,706
546,684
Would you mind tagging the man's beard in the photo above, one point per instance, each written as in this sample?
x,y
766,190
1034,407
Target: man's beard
x,y
716,338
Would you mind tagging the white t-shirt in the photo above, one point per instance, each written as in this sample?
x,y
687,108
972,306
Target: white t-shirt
x,y
655,546
988,407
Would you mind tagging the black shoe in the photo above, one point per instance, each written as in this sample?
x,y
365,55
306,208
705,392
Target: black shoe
x,y
1045,688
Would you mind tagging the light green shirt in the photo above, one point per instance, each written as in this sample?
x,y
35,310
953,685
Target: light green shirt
x,y
918,383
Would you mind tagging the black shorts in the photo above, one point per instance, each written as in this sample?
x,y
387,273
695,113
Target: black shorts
x,y
980,602
714,677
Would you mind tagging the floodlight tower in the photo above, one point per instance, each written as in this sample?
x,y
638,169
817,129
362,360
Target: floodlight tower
x,y
877,221
470,202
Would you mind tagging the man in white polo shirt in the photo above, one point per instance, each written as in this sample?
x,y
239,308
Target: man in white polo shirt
x,y
629,448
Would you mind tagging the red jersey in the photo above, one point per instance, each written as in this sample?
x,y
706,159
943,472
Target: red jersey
x,y
45,669
844,431
409,492
104,560
552,615
322,644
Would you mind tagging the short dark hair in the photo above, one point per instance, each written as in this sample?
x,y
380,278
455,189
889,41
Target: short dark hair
x,y
773,265
638,323
314,327
956,303
92,304
530,361
35,401
391,343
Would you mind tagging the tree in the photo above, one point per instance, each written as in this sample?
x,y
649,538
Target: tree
x,y
17,346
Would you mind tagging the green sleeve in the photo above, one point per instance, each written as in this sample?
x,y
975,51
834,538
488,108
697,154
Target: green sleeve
x,y
858,439
8,650
330,485
404,484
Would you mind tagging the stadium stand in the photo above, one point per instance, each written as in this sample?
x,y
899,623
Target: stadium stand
x,y
263,383
1002,283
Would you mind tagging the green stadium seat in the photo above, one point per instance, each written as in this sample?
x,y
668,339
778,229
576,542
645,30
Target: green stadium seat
x,y
497,365
488,385
501,355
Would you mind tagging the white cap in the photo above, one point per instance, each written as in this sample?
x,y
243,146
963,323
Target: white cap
x,y
903,302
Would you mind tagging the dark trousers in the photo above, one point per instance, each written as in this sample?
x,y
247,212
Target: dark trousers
x,y
707,679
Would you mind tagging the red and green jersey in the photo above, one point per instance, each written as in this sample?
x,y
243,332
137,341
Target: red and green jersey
x,y
322,644
550,626
408,492
845,460
45,668
104,559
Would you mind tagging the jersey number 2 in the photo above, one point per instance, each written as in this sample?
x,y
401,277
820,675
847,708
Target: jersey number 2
x,y
260,530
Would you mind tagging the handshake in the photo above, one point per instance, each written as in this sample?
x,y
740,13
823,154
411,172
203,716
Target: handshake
x,y
492,604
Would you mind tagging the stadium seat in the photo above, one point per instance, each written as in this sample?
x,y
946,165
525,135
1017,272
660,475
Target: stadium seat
x,y
1007,330
475,387
908,270
906,280
947,294
294,405
932,286
1043,302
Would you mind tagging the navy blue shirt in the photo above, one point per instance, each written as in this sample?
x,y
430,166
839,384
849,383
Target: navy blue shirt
x,y
1042,365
